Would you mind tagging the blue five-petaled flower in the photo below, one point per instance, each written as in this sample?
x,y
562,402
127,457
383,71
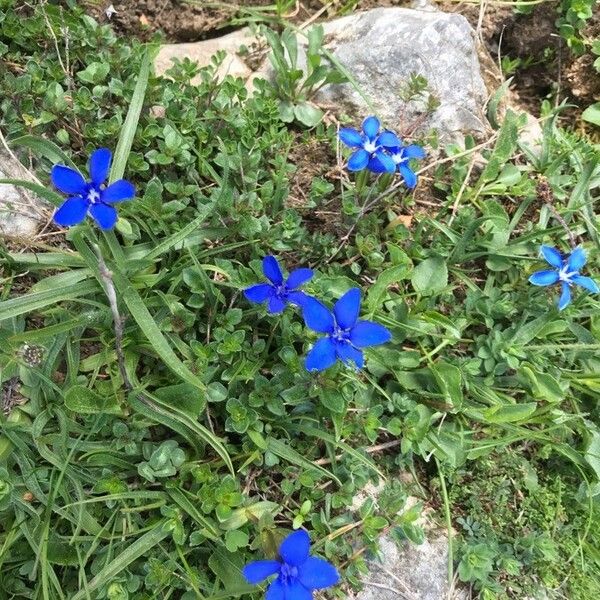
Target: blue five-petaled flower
x,y
298,573
279,293
566,271
369,147
345,333
401,155
93,196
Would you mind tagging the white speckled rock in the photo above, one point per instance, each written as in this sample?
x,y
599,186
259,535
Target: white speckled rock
x,y
21,212
408,571
413,572
202,52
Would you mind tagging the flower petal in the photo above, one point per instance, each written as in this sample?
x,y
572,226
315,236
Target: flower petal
x,y
316,574
414,151
552,256
351,137
358,160
298,298
346,352
367,333
272,270
100,165
317,316
388,139
104,215
576,260
67,180
381,163
321,356
565,297
298,277
258,570
296,591
118,191
409,176
371,127
71,212
586,282
258,293
347,308
295,548
275,305
544,278
276,591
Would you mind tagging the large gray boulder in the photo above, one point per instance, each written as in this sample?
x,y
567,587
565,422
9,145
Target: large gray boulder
x,y
383,47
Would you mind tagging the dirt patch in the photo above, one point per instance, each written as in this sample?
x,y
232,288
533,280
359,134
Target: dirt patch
x,y
190,21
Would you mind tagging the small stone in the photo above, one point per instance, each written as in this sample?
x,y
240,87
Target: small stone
x,y
202,53
21,212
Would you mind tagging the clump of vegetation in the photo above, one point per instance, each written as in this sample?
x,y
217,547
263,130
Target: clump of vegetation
x,y
160,431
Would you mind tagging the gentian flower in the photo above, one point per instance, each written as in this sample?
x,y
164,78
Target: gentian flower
x,y
346,335
278,293
370,147
298,573
93,196
566,271
401,156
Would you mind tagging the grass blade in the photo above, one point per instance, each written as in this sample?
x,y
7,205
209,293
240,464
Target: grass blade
x,y
287,453
139,548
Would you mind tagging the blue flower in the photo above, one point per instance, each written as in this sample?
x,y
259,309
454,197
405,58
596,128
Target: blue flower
x,y
92,197
278,293
346,335
401,156
566,271
298,573
370,147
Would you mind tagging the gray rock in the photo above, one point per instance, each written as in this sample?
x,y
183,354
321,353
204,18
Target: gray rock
x,y
408,571
21,212
411,572
381,48
202,53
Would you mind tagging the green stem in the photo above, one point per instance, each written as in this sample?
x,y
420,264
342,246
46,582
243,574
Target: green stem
x,y
448,522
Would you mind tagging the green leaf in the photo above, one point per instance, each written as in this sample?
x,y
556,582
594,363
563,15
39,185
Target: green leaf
x,y
379,290
82,400
227,566
449,381
38,300
592,114
183,396
209,530
287,453
42,191
43,147
131,121
430,276
178,420
308,114
509,413
141,547
347,448
94,73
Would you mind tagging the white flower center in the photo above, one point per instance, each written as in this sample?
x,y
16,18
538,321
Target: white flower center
x,y
565,275
93,195
398,158
370,147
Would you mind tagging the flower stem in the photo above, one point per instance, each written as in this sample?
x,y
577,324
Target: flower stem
x,y
118,320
